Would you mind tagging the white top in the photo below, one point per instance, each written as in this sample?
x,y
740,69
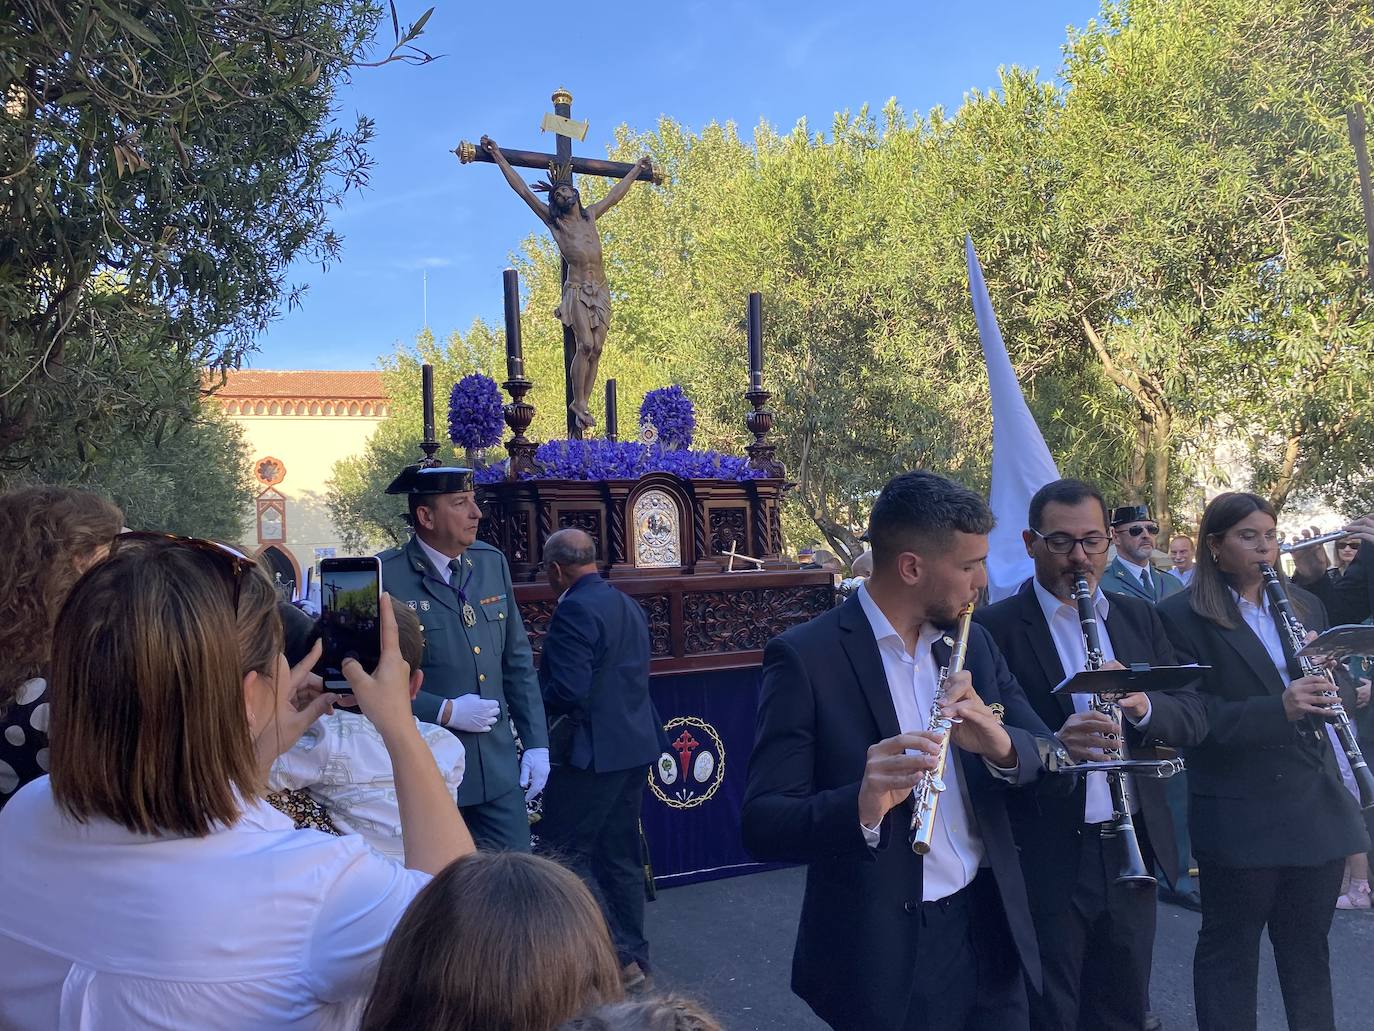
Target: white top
x,y
1260,619
342,763
1140,571
956,850
1067,633
257,925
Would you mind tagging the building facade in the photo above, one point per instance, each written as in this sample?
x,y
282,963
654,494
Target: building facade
x,y
296,425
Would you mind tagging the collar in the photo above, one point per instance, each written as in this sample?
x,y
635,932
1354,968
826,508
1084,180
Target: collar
x,y
584,578
437,559
883,630
1050,605
1135,567
1243,603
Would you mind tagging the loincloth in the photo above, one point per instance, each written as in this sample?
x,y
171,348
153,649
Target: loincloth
x,y
595,298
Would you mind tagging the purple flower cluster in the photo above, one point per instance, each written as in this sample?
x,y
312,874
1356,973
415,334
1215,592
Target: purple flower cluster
x,y
495,473
598,459
475,415
669,411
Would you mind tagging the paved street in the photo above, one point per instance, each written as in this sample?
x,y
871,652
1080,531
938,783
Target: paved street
x,y
729,944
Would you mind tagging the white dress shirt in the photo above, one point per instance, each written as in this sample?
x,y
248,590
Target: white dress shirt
x,y
342,763
1140,572
1067,633
956,850
437,559
1184,576
257,925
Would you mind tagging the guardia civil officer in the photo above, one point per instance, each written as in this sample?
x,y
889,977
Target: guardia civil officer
x,y
479,671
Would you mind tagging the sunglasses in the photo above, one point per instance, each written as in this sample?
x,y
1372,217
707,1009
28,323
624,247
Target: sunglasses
x,y
228,562
1151,528
1352,545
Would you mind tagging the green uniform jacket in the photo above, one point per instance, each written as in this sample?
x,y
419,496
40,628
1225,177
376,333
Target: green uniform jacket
x,y
1118,578
492,659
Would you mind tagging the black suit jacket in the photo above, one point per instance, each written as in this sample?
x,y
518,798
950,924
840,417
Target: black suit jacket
x,y
825,700
1047,824
1349,598
1261,791
594,668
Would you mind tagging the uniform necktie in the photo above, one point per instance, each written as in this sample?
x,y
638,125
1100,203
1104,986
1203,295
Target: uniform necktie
x,y
459,583
1148,583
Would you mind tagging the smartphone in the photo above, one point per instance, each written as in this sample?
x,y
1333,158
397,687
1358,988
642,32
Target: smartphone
x,y
350,616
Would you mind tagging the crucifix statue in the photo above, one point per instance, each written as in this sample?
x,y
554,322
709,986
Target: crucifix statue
x,y
585,305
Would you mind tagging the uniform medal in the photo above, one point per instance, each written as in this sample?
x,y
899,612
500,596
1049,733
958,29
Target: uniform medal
x,y
469,616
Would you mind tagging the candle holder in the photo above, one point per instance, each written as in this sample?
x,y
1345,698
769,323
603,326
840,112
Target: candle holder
x,y
762,455
519,414
430,444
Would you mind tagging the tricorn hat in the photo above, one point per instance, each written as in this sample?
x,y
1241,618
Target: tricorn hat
x,y
437,479
1130,514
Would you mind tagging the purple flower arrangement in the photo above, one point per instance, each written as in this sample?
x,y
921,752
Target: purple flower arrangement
x,y
599,459
669,411
476,418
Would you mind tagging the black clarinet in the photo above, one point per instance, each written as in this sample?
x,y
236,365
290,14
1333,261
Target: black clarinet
x,y
1293,636
1121,829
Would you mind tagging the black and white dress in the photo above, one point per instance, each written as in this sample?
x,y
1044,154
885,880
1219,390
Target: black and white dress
x,y
24,738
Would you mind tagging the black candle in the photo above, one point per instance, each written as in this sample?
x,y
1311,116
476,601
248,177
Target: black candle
x,y
427,398
756,340
515,356
612,424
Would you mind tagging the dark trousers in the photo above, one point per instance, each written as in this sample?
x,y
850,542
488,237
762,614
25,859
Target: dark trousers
x,y
591,825
1096,950
968,975
1176,797
501,824
1296,904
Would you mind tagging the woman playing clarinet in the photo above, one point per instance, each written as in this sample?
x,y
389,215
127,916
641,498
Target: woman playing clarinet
x,y
1270,819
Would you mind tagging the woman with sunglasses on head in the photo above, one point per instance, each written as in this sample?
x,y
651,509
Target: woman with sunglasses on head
x,y
144,882
51,536
1271,820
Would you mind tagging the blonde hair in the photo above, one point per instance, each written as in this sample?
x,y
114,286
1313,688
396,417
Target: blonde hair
x,y
149,727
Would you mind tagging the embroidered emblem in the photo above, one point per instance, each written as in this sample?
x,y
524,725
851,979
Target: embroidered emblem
x,y
411,605
695,773
424,606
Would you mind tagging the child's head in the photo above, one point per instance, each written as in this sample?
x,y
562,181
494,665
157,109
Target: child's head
x,y
410,633
501,941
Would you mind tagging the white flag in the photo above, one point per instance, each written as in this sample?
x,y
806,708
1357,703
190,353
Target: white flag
x,y
1021,463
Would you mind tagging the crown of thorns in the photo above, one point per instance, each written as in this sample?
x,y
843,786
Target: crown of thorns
x,y
559,175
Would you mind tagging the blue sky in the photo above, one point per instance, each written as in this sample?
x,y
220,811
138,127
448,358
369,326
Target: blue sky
x,y
696,62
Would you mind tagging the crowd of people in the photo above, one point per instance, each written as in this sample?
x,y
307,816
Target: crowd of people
x,y
150,712
194,832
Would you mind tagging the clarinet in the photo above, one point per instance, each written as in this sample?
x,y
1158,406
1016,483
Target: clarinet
x,y
1294,636
1121,829
932,783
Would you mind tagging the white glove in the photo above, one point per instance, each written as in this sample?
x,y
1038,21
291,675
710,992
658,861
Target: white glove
x,y
473,713
534,771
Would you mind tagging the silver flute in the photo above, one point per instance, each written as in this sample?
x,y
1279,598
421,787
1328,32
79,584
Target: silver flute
x,y
1288,547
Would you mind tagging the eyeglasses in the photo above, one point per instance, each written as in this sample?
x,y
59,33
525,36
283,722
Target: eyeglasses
x,y
1151,528
1352,545
229,562
1062,543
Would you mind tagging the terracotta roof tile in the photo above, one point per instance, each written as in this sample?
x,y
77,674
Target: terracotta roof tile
x,y
363,384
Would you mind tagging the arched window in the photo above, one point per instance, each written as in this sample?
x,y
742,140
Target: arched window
x,y
353,408
261,409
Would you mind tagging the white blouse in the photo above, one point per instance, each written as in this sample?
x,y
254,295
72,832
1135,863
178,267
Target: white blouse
x,y
257,925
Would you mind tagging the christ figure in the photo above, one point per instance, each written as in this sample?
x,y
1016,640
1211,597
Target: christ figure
x,y
585,307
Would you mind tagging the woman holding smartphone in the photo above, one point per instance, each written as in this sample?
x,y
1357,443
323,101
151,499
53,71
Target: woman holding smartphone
x,y
1270,819
145,883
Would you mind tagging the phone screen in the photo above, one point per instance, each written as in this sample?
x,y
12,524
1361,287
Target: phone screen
x,y
350,615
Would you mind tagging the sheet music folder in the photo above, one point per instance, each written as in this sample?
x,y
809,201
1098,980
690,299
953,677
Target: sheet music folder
x,y
1138,677
1340,642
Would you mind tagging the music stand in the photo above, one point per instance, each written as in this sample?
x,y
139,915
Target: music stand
x,y
1137,677
1341,642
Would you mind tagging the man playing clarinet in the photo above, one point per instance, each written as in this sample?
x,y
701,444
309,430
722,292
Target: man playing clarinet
x,y
1096,929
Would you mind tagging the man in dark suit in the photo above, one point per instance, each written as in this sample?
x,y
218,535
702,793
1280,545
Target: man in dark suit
x,y
890,939
1132,571
594,675
1096,936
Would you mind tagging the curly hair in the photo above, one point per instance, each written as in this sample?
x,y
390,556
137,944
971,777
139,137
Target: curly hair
x,y
50,535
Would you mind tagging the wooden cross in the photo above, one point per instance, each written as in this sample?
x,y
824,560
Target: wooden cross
x,y
561,166
732,554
